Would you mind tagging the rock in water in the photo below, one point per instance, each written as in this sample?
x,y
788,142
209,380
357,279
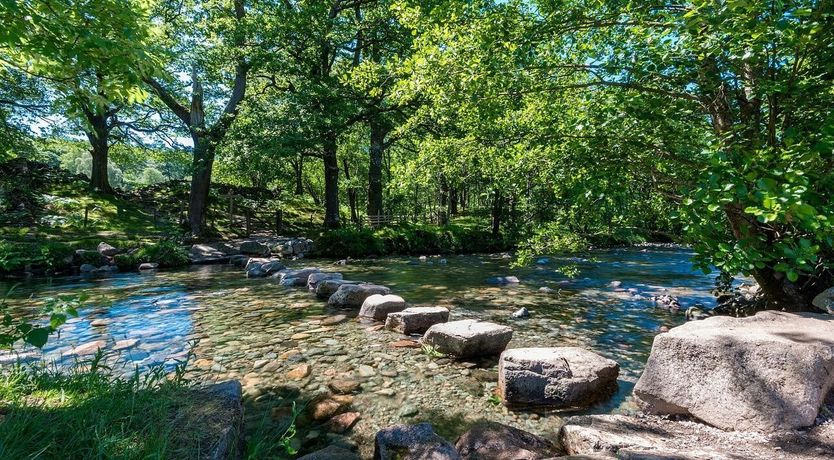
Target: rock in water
x,y
315,278
106,250
560,377
495,441
765,373
331,453
502,280
297,277
468,338
412,442
521,313
379,306
353,295
326,288
825,300
416,320
148,266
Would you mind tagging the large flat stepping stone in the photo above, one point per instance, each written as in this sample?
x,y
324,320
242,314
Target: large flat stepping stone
x,y
354,295
468,338
416,320
412,442
492,440
379,306
653,437
326,288
766,373
562,377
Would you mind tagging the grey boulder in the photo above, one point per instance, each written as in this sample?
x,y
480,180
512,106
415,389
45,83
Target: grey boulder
x,y
412,442
106,250
353,295
562,377
298,277
331,453
315,278
495,441
766,373
468,338
825,300
326,288
379,306
416,320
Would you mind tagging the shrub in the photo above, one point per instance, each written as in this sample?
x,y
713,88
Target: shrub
x,y
168,254
349,242
406,239
43,255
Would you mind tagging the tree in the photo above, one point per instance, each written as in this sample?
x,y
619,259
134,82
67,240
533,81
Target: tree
x,y
202,42
724,107
92,56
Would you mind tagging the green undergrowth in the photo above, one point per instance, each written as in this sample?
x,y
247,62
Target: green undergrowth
x,y
85,412
408,239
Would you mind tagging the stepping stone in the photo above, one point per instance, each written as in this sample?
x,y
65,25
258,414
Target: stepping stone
x,y
412,442
502,280
492,440
353,295
326,288
331,453
315,278
416,320
379,306
468,338
560,377
298,277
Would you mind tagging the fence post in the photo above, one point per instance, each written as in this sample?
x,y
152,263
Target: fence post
x,y
248,222
279,221
86,213
231,209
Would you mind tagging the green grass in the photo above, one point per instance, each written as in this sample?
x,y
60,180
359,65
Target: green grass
x,y
87,413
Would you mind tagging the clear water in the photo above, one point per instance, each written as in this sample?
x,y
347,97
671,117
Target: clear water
x,y
235,325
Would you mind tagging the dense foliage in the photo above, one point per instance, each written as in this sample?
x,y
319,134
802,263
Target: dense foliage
x,y
552,124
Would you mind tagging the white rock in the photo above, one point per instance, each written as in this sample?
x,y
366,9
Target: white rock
x,y
468,338
561,377
766,373
379,306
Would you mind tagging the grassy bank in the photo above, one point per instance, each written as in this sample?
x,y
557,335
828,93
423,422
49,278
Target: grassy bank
x,y
84,412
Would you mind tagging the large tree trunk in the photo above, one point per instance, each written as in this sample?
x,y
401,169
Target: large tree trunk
x,y
298,166
99,137
351,192
200,184
331,182
376,153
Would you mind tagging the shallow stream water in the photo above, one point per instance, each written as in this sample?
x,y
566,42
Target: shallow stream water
x,y
257,331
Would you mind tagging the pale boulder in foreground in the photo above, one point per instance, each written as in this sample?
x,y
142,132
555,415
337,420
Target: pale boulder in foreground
x,y
764,373
468,338
558,377
379,306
